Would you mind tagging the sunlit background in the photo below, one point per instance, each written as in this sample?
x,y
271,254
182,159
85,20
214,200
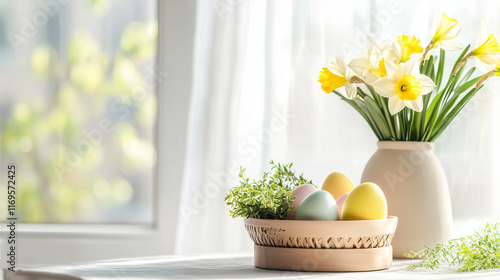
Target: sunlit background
x,y
78,109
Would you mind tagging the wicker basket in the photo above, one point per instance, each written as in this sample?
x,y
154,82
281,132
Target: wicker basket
x,y
367,243
322,235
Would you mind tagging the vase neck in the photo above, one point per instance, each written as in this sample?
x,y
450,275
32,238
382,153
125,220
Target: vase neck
x,y
405,145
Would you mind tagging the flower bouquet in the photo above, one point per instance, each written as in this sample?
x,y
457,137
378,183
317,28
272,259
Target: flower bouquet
x,y
397,85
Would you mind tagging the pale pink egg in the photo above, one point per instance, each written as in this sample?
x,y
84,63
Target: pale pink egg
x,y
300,192
340,203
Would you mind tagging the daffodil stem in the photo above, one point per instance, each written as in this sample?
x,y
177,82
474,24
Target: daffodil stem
x,y
397,126
412,118
461,63
402,115
357,80
427,49
484,77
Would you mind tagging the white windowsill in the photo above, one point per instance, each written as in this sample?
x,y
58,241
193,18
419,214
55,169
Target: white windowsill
x,y
65,229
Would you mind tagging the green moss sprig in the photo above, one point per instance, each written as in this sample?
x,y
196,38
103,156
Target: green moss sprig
x,y
269,198
478,251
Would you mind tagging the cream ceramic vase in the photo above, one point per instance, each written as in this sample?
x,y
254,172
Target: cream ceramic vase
x,y
416,189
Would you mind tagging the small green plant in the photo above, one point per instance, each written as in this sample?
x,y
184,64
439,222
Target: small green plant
x,y
269,198
473,252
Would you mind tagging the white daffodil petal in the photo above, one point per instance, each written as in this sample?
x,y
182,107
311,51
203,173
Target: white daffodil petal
x,y
397,51
411,67
384,87
395,105
374,42
359,65
483,33
415,105
373,56
340,65
351,90
387,43
490,58
349,73
370,78
393,71
449,43
417,55
426,84
455,30
484,67
434,23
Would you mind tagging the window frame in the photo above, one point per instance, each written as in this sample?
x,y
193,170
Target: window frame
x,y
40,244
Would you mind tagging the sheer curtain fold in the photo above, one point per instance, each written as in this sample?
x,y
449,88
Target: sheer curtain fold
x,y
256,98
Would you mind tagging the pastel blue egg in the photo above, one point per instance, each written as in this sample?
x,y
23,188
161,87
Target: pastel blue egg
x,y
318,206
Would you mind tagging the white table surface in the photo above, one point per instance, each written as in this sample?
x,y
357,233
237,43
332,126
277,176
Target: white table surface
x,y
220,266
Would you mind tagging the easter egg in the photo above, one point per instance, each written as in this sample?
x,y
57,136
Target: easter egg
x,y
340,203
300,193
319,206
365,202
337,184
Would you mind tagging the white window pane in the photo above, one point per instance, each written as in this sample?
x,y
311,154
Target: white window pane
x,y
78,109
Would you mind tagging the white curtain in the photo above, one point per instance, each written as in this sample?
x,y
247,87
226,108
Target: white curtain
x,y
256,98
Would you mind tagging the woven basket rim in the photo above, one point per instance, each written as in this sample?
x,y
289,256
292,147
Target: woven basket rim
x,y
322,234
389,217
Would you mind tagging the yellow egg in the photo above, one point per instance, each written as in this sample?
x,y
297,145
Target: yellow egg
x,y
365,202
337,184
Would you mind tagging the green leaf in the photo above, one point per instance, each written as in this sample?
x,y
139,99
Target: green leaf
x,y
440,70
470,253
361,110
382,103
436,104
378,118
444,124
457,93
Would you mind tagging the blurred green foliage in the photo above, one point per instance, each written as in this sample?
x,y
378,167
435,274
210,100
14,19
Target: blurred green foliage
x,y
44,132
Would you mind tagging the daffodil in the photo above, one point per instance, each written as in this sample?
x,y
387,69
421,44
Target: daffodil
x,y
370,65
337,75
404,86
407,47
367,66
445,31
329,81
487,52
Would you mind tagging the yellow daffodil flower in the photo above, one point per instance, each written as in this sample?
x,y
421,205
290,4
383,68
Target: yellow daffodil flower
x,y
404,86
487,52
407,46
337,75
445,31
329,81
